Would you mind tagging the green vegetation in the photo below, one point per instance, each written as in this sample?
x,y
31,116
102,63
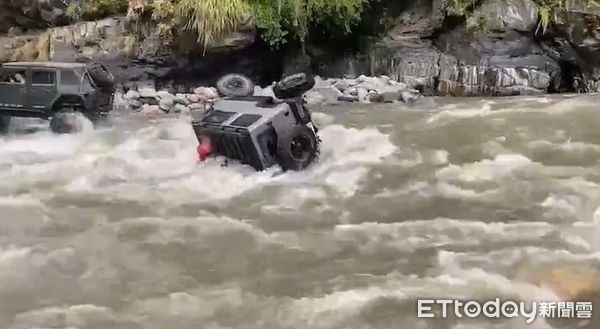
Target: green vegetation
x,y
548,11
92,9
279,21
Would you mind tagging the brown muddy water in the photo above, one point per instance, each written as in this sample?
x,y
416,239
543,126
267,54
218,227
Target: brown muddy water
x,y
120,228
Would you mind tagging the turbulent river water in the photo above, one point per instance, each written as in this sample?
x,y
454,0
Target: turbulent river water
x,y
119,227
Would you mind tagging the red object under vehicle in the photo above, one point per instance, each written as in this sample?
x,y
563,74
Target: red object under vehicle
x,y
204,149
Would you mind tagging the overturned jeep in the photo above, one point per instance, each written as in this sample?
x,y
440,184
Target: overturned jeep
x,y
260,131
56,92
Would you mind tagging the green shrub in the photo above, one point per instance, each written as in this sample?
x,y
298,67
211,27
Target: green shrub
x,y
278,21
548,11
95,9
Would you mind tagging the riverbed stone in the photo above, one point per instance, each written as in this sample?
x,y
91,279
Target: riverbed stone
x,y
342,85
166,103
147,92
132,95
193,98
134,103
330,94
151,109
348,98
362,94
386,97
206,93
180,108
181,99
410,96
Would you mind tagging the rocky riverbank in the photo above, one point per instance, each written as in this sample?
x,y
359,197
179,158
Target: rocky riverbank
x,y
147,101
494,48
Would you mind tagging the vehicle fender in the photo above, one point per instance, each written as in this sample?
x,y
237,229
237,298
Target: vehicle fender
x,y
67,99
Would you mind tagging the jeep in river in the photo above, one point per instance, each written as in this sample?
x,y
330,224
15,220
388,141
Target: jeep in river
x,y
54,91
260,131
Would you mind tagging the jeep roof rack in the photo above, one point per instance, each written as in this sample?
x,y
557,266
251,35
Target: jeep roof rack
x,y
59,65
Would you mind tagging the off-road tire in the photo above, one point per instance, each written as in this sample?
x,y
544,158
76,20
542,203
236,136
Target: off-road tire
x,y
297,148
101,76
235,85
293,86
4,123
65,122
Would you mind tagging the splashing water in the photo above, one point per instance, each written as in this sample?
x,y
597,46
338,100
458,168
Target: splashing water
x,y
120,227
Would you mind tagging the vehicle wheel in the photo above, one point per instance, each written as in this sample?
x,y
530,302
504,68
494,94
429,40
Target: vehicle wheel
x,y
66,122
235,85
4,123
297,148
294,85
101,76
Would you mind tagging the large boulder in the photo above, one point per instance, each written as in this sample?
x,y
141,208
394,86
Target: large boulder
x,y
415,18
500,59
503,15
32,14
574,40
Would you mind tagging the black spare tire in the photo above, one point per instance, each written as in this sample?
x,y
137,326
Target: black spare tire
x,y
4,123
101,76
296,148
66,122
293,86
235,85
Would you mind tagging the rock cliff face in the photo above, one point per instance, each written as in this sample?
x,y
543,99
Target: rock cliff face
x,y
32,14
500,50
503,56
135,51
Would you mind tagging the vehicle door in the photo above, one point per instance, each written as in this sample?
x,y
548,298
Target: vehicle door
x,y
42,88
13,88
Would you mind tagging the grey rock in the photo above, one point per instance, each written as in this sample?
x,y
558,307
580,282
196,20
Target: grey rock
x,y
166,103
348,98
369,85
147,92
352,91
362,95
410,96
206,93
132,95
181,99
342,85
388,96
164,94
151,109
417,19
149,100
193,98
330,94
501,15
135,104
466,64
180,108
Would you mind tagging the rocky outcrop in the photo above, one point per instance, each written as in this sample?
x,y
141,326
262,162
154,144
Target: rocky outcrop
x,y
134,51
500,49
498,58
20,15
